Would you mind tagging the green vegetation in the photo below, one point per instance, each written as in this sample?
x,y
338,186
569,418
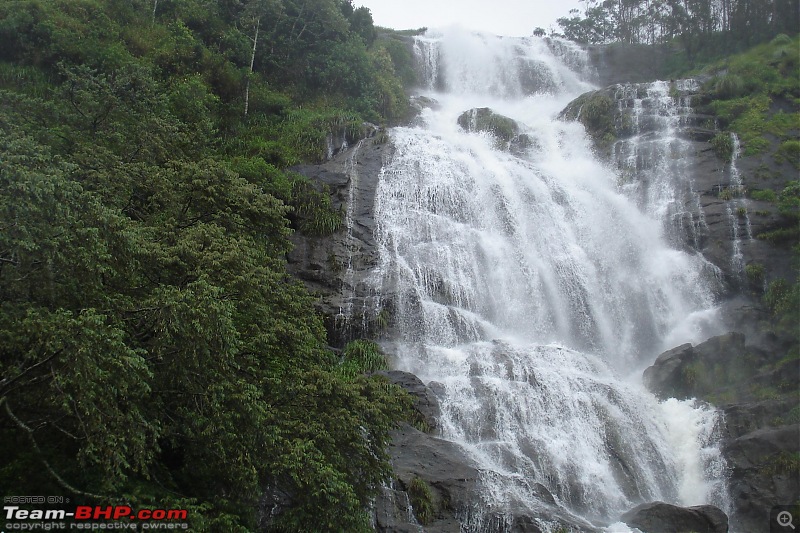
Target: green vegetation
x,y
698,27
154,350
421,500
788,230
782,463
484,119
756,95
723,146
766,195
595,110
755,273
789,151
361,357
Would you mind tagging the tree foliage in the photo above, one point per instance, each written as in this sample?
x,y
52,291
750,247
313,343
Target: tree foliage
x,y
693,23
153,349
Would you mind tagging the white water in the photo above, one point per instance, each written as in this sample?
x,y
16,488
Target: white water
x,y
531,290
736,209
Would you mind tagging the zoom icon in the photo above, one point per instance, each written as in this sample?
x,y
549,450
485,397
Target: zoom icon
x,y
783,518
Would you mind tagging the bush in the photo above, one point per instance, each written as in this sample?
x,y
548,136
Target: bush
x,y
755,273
723,146
362,356
765,195
421,500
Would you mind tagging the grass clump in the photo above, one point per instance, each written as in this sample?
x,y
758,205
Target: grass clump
x,y
789,151
419,493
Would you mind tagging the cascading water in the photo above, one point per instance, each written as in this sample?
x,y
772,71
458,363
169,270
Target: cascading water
x,y
735,207
528,287
653,159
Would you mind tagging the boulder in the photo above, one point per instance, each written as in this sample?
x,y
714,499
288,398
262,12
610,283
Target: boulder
x,y
660,517
505,130
417,104
666,378
453,480
694,371
426,404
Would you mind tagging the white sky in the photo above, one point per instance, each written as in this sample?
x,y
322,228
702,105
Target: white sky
x,y
513,18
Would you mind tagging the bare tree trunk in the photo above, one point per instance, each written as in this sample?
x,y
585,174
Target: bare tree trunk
x,y
250,74
155,6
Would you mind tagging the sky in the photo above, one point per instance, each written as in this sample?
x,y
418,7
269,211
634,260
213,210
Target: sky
x,y
514,18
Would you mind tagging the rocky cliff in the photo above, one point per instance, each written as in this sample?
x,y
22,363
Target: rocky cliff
x,y
336,267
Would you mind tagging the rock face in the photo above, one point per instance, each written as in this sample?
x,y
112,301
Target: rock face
x,y
624,120
426,404
456,490
764,473
336,267
628,63
690,372
660,517
761,435
453,481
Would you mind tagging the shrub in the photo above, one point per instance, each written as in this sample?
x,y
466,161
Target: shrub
x,y
765,195
421,500
362,356
755,273
723,146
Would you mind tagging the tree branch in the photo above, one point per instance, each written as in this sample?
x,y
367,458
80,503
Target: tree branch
x,y
58,478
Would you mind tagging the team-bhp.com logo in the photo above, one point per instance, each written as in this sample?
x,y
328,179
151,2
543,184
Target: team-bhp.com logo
x,y
87,512
92,517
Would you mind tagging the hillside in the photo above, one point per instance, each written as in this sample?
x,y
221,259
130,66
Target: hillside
x,y
154,350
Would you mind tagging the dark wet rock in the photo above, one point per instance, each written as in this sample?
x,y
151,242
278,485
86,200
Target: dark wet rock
x,y
453,479
758,396
660,517
764,472
484,119
336,267
693,371
725,370
745,417
425,402
457,493
629,63
598,113
417,104
271,505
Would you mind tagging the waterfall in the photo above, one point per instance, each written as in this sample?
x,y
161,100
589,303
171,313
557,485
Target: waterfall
x,y
530,287
653,161
735,208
